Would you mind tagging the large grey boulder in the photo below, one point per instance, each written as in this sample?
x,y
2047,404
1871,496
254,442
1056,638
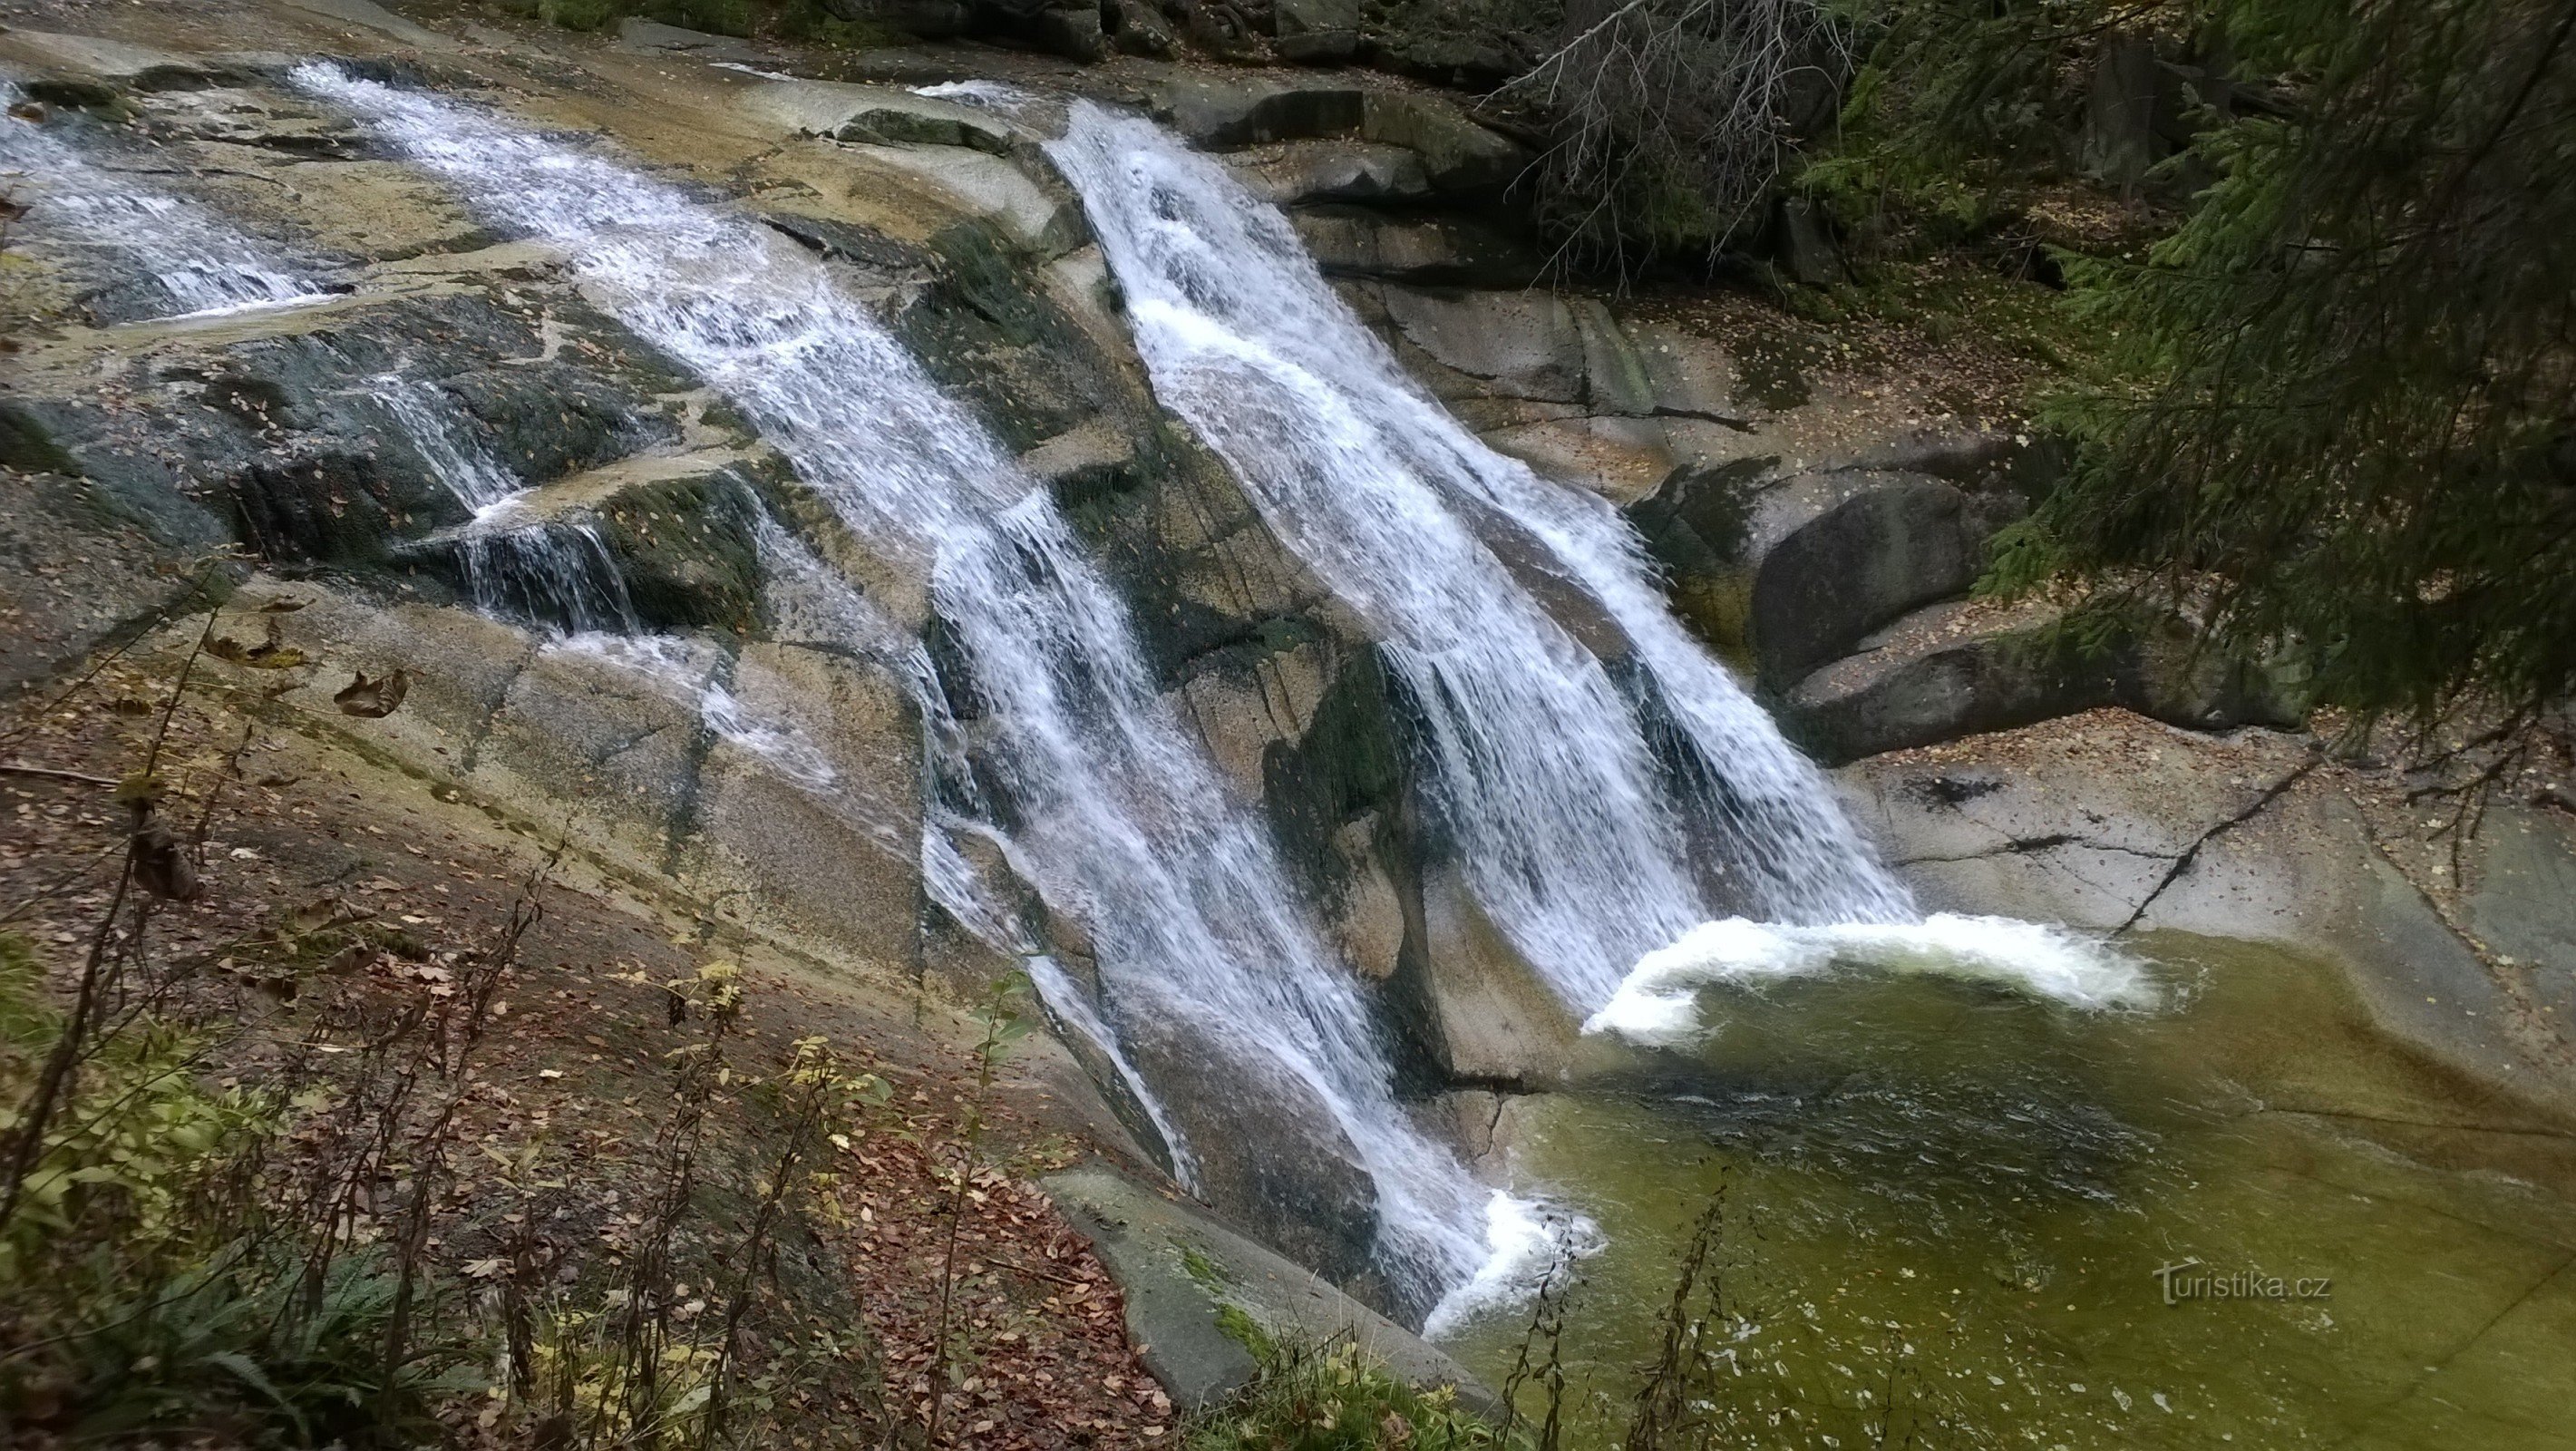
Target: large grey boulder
x,y
1869,548
1521,344
1795,568
1179,1269
1460,158
1961,668
1295,173
1219,113
1268,1152
1939,675
1316,32
1351,241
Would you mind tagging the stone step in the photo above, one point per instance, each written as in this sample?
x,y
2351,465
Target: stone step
x,y
1965,667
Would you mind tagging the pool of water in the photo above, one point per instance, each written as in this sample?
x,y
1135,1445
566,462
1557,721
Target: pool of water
x,y
1945,1209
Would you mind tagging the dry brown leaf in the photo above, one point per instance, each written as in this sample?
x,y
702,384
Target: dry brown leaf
x,y
373,699
268,655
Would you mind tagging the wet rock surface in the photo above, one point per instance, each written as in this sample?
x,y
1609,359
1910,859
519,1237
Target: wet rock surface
x,y
1834,565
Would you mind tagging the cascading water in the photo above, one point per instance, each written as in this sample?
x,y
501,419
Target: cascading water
x,y
1571,834
1114,813
556,572
198,264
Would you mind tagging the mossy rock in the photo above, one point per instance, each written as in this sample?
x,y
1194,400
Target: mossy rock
x,y
545,420
1351,762
335,507
985,329
686,549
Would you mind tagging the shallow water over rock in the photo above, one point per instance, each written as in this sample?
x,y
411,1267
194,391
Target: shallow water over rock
x,y
1957,1213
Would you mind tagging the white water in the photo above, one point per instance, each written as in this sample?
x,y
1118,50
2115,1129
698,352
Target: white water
x,y
1573,835
1659,1003
556,572
1115,814
200,265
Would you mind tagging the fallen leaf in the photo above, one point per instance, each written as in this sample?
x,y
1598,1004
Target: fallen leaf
x,y
268,655
373,699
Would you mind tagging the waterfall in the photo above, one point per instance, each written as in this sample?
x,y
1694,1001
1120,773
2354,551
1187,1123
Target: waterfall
x,y
555,572
199,264
1113,811
1574,834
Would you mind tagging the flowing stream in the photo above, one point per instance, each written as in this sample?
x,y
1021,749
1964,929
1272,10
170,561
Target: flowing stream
x,y
1114,811
196,263
1573,834
555,572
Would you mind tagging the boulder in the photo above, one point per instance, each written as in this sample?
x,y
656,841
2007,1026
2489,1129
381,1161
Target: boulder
x,y
1804,244
1521,344
1797,569
1874,547
878,115
1299,172
1316,32
1350,241
1960,668
1460,157
2129,87
1936,677
1181,1271
1218,113
1268,1153
1138,27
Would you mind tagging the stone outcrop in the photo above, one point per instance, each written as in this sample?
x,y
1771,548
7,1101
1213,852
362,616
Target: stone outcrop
x,y
1182,1272
2115,823
1380,183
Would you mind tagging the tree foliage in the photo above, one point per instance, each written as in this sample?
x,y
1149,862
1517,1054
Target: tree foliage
x,y
2339,411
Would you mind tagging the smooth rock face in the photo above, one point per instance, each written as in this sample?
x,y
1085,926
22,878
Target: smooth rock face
x,y
1177,1266
1271,1158
1295,173
1889,544
2109,822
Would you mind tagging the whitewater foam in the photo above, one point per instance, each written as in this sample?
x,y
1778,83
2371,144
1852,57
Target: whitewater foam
x,y
1659,1003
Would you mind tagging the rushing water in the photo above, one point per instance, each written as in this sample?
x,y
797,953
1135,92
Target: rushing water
x,y
1946,1210
1113,810
1573,833
555,572
195,263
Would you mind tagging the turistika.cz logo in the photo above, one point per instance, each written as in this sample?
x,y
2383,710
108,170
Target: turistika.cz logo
x,y
2193,1280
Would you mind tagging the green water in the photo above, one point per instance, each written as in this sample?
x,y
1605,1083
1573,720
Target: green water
x,y
1945,1207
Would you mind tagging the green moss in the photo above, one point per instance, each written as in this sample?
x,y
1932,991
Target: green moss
x,y
1243,1330
1202,1269
580,14
24,444
686,550
1335,1397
